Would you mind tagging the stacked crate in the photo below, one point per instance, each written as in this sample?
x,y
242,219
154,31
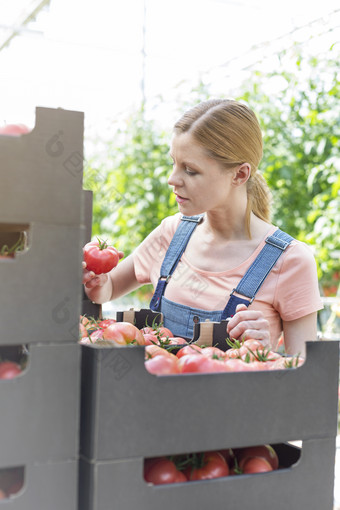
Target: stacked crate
x,y
40,302
128,415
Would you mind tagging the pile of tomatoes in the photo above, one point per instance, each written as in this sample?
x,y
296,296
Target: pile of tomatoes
x,y
209,465
168,355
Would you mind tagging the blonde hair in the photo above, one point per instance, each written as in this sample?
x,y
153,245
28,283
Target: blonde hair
x,y
230,133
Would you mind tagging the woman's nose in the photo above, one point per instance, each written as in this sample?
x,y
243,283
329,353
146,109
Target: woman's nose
x,y
174,179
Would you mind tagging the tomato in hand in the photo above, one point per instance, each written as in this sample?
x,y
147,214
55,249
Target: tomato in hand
x,y
100,257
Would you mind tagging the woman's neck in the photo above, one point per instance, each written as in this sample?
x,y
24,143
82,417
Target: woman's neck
x,y
231,226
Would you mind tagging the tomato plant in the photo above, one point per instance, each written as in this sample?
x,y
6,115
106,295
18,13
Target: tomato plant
x,y
100,257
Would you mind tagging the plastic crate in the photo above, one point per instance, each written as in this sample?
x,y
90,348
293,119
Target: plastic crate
x,y
47,486
306,485
40,408
41,172
128,412
41,297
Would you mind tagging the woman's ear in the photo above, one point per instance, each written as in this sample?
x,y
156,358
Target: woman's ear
x,y
242,174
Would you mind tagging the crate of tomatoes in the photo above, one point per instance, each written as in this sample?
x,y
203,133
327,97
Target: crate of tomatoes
x,y
155,407
41,236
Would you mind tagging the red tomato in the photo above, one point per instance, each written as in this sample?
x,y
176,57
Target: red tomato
x,y
156,350
236,365
213,352
162,471
253,344
213,466
189,349
232,353
9,370
180,477
162,365
14,129
99,257
265,451
148,330
150,339
256,465
96,335
193,363
123,333
164,332
177,340
105,323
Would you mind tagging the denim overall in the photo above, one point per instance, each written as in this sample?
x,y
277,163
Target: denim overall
x,y
180,319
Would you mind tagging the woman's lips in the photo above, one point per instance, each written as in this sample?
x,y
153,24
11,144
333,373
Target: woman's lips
x,y
180,199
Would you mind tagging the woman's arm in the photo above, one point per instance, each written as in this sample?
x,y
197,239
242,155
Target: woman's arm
x,y
105,287
298,331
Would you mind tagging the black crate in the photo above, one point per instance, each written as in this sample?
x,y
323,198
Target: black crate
x,y
307,484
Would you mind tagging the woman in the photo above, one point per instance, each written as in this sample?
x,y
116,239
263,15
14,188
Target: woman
x,y
216,150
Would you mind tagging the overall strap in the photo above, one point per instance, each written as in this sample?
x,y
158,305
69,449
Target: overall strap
x,y
258,271
173,255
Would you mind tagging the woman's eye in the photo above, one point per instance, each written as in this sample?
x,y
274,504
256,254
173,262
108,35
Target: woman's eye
x,y
189,171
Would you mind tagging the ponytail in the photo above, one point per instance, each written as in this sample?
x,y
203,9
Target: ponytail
x,y
259,199
230,133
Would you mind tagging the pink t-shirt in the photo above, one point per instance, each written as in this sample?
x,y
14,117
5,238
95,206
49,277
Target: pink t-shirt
x,y
289,292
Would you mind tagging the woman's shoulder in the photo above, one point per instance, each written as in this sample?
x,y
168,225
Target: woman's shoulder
x,y
299,255
170,223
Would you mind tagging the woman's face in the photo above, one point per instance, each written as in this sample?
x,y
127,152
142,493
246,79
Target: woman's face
x,y
199,182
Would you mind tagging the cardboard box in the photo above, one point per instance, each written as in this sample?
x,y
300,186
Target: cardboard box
x,y
41,297
127,412
40,408
47,486
205,333
306,485
41,172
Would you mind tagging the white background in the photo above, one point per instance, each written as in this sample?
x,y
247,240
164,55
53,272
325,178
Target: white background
x,y
87,56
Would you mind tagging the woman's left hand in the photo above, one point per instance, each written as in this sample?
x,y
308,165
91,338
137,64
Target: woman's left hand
x,y
247,324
